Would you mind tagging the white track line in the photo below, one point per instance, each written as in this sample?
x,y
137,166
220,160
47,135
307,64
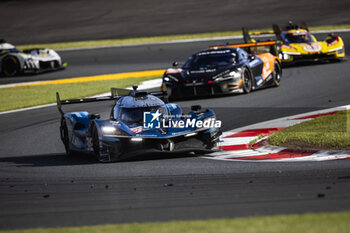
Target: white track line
x,y
143,85
27,109
21,83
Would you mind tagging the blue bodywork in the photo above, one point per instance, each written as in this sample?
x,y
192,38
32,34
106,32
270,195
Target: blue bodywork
x,y
122,136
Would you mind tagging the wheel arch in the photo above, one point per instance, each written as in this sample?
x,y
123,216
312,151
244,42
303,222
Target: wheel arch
x,y
20,60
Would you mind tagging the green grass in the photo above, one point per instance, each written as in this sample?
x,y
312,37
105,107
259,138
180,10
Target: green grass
x,y
28,96
330,27
156,39
129,41
306,223
324,132
252,142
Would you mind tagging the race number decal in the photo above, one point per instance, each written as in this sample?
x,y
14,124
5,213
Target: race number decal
x,y
312,48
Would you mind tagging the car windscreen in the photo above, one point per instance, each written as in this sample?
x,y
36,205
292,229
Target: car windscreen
x,y
134,116
289,38
210,61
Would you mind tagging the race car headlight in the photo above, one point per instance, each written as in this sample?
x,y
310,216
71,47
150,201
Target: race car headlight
x,y
170,78
190,135
108,129
339,50
112,131
284,56
219,79
235,74
136,139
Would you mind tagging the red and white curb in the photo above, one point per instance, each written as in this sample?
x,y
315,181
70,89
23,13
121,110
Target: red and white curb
x,y
234,144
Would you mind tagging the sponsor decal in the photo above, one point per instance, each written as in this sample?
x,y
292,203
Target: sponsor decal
x,y
137,129
288,47
202,71
226,52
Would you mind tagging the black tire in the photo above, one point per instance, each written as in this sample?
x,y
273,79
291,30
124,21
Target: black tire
x,y
169,91
65,137
107,154
246,81
276,75
96,143
10,66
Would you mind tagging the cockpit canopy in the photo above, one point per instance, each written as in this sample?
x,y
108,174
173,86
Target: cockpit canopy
x,y
130,110
211,59
8,48
296,37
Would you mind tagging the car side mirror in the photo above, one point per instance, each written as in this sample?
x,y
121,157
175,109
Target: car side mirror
x,y
251,57
94,116
175,64
196,108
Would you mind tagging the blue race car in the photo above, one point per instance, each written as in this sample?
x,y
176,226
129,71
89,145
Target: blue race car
x,y
139,123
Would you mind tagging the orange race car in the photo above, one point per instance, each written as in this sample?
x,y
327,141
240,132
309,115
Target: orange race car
x,y
225,69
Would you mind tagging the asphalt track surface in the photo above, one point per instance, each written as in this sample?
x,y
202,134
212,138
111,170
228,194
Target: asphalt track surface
x,y
39,21
41,187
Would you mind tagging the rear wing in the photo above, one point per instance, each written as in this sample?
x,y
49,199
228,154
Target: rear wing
x,y
247,34
256,47
273,44
162,94
79,101
276,30
116,93
119,92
